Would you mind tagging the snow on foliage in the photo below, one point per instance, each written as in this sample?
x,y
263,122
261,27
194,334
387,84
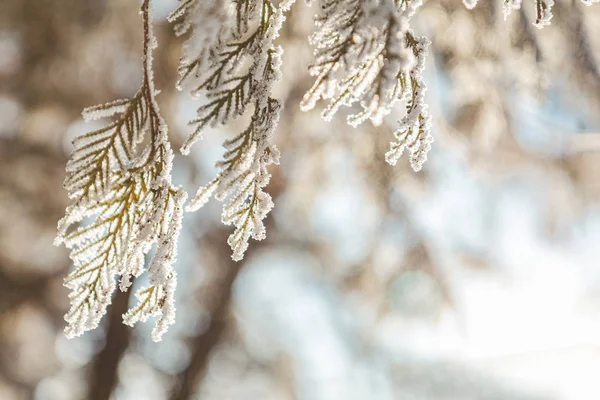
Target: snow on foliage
x,y
236,72
128,192
365,54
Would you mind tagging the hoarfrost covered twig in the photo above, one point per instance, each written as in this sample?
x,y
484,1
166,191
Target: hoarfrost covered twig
x,y
237,71
129,193
366,52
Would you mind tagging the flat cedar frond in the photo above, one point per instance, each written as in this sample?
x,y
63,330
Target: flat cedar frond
x,y
100,249
224,105
242,177
95,153
237,72
128,193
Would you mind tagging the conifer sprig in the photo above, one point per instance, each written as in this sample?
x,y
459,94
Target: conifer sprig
x,y
366,53
237,73
126,188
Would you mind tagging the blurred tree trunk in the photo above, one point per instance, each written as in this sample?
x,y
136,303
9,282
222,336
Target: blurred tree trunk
x,y
105,372
204,343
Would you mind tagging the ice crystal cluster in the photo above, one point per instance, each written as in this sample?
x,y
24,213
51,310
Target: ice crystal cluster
x,y
366,57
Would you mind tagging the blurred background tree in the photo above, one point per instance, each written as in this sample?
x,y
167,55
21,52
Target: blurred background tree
x,y
477,278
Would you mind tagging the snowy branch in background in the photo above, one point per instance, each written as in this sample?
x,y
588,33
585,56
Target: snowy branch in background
x,y
543,12
366,56
509,6
543,9
366,53
126,188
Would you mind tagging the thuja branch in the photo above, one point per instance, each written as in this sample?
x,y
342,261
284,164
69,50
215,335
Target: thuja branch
x,y
126,189
237,73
